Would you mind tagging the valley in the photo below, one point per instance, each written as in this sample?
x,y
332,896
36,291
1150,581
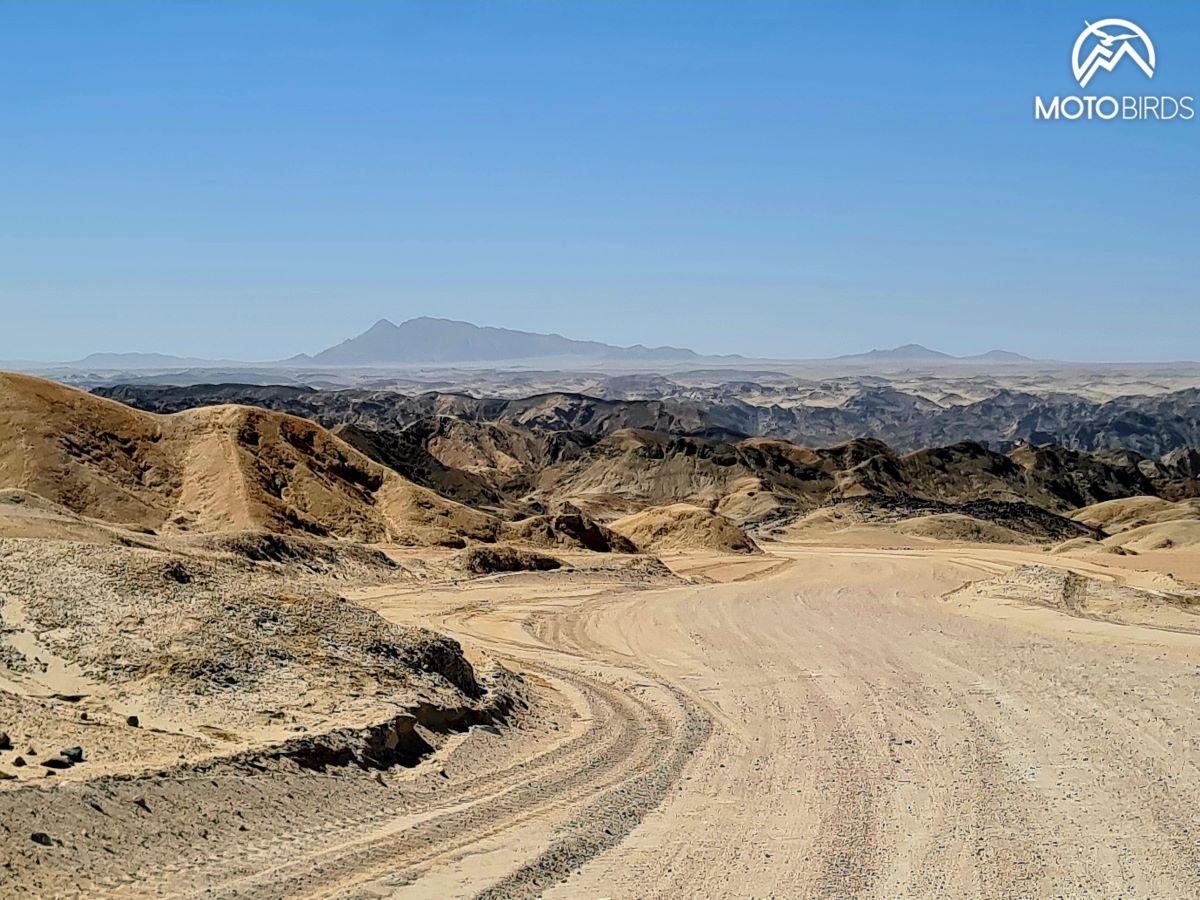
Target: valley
x,y
373,654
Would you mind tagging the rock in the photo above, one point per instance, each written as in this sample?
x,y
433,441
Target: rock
x,y
490,729
57,762
83,716
5,741
177,572
40,837
19,761
133,721
73,754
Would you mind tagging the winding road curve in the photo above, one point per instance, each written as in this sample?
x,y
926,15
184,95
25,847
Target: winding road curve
x,y
870,738
835,727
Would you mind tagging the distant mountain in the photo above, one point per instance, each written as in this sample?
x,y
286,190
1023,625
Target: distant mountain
x,y
1000,356
137,361
429,340
906,353
915,353
432,341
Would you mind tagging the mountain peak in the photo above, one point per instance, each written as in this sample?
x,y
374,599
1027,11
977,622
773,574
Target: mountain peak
x,y
905,352
382,325
1000,356
427,339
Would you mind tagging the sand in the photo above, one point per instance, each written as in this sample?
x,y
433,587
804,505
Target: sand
x,y
872,700
844,721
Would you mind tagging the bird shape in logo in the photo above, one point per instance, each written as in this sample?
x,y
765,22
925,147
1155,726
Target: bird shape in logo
x,y
1106,39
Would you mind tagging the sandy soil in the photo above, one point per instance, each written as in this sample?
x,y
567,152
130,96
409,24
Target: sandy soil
x,y
870,738
820,721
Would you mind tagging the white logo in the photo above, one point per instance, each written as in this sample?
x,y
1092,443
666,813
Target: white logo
x,y
1115,40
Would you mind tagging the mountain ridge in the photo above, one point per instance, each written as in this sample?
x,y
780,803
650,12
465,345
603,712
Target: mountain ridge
x,y
427,339
919,353
431,340
1149,425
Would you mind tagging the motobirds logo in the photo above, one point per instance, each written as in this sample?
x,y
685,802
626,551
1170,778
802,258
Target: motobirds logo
x,y
1101,47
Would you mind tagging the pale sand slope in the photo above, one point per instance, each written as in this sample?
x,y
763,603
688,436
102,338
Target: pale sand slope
x,y
838,728
1141,525
1135,512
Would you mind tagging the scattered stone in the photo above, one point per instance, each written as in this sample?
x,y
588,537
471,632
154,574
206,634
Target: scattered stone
x,y
40,837
490,729
177,572
73,754
83,716
133,722
57,762
5,741
19,761
141,801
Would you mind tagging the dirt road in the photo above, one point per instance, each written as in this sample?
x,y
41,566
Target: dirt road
x,y
831,726
868,738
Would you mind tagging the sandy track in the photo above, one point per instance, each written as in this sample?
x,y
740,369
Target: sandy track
x,y
874,740
834,727
871,739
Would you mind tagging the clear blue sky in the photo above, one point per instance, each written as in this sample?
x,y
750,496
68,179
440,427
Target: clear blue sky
x,y
254,179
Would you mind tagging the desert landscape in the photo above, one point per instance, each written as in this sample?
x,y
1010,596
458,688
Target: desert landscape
x,y
267,640
599,451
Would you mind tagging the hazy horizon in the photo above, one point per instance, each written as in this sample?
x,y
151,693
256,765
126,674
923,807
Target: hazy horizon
x,y
250,181
862,351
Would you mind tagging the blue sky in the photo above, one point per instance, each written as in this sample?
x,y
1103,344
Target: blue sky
x,y
254,179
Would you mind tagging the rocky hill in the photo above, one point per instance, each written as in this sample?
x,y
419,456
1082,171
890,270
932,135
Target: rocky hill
x,y
210,469
1152,426
529,456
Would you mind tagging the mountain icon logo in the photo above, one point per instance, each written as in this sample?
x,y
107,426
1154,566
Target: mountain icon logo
x,y
1110,41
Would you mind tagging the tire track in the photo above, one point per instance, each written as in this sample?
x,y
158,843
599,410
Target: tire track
x,y
597,785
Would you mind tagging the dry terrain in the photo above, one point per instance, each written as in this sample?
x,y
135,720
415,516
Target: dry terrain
x,y
242,655
825,721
